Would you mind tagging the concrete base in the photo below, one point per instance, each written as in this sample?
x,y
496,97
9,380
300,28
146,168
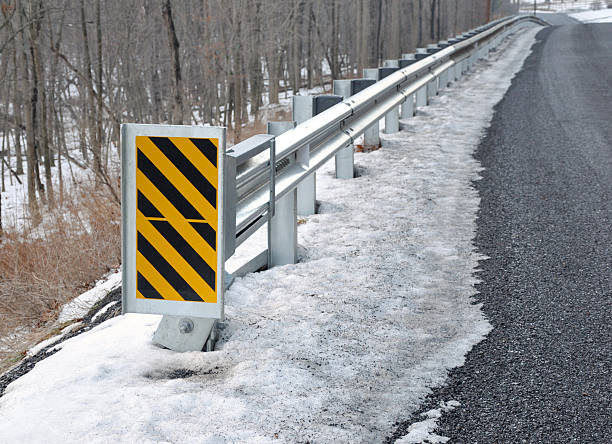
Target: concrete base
x,y
185,333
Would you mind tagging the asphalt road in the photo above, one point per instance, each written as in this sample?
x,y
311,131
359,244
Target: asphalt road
x,y
557,19
544,373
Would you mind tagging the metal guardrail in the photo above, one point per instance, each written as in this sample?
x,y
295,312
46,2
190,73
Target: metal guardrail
x,y
264,171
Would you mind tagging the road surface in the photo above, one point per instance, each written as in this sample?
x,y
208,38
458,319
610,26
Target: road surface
x,y
557,19
544,373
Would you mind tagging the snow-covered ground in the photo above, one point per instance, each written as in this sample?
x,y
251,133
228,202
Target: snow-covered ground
x,y
560,5
335,348
79,307
600,16
15,216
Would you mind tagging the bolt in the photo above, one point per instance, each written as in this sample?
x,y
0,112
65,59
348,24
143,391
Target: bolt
x,y
185,325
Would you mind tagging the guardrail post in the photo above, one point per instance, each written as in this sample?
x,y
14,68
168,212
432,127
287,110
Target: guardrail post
x,y
371,136
421,97
444,77
392,117
282,227
408,105
421,94
304,108
432,86
471,58
455,70
345,158
307,189
431,89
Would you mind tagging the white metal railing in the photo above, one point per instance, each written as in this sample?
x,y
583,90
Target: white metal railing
x,y
263,172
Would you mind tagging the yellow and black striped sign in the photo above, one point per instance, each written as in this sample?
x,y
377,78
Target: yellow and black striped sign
x,y
176,218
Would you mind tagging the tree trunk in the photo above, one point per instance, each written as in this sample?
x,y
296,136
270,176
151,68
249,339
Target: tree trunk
x,y
99,114
395,47
157,114
178,109
31,160
17,99
93,139
420,38
335,44
273,66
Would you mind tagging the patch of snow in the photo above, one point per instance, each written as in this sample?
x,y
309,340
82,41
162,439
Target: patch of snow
x,y
423,431
600,16
38,347
556,6
52,340
15,214
335,348
79,307
72,327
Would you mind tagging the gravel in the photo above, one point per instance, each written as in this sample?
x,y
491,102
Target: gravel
x,y
544,372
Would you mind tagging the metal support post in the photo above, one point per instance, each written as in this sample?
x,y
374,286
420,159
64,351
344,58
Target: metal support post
x,y
282,227
371,136
392,117
345,162
392,121
304,108
420,53
307,189
421,97
345,157
432,89
408,107
444,80
432,48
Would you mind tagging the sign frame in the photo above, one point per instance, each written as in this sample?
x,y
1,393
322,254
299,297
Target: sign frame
x,y
130,303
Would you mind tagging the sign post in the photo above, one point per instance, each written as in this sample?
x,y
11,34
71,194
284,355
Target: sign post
x,y
172,230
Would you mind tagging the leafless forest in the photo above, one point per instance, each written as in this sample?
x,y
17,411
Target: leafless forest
x,y
72,70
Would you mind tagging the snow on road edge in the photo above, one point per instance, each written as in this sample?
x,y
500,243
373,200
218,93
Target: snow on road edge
x,y
598,16
423,431
337,347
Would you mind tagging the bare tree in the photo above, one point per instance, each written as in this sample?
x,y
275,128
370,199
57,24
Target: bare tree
x,y
178,109
69,84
